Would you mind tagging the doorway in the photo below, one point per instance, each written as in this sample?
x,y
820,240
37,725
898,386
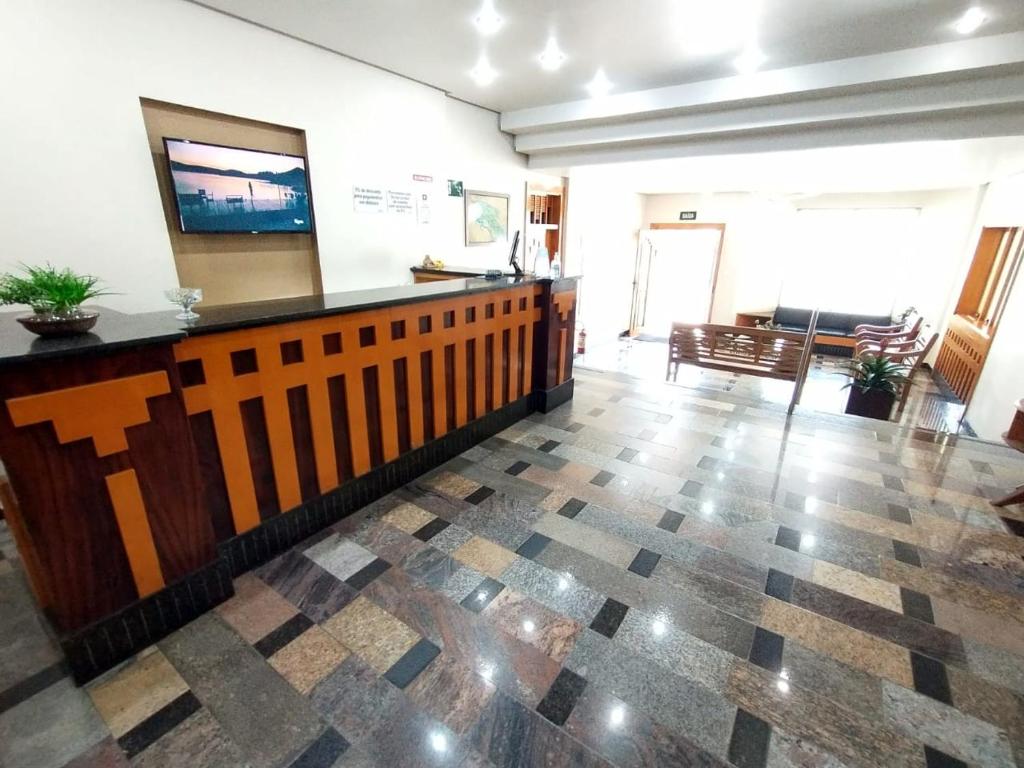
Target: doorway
x,y
975,320
674,277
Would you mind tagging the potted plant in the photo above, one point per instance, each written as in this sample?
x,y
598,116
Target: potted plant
x,y
55,295
873,386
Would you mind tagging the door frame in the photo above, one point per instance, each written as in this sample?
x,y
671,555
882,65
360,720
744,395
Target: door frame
x,y
718,253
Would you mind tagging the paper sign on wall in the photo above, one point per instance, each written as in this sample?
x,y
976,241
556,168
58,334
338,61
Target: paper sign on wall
x,y
400,203
367,200
423,207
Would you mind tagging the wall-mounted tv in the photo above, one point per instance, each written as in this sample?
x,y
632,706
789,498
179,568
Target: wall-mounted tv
x,y
229,189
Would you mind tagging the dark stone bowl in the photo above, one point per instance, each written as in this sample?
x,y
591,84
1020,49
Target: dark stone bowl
x,y
70,324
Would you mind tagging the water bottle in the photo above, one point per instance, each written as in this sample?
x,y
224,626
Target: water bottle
x,y
541,268
556,267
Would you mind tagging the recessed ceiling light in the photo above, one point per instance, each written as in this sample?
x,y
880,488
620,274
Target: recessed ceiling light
x,y
488,21
600,85
551,57
483,73
972,19
749,61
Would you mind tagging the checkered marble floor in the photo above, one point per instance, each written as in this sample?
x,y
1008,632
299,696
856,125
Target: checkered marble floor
x,y
649,575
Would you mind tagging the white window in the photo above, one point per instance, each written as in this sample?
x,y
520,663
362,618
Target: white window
x,y
849,260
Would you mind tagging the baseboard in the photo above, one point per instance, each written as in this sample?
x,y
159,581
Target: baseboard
x,y
546,400
96,648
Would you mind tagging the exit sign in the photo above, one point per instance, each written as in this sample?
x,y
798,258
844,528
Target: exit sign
x,y
687,215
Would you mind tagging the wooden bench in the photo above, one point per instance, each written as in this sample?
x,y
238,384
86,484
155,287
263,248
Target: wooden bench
x,y
782,355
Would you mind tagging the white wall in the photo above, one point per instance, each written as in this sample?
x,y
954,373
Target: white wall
x,y
79,187
603,221
758,228
1002,379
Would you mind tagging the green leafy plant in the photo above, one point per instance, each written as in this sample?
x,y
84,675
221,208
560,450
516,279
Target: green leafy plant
x,y
880,373
48,289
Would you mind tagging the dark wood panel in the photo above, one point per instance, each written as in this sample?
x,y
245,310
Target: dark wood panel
x,y
506,355
489,370
371,391
471,382
338,398
427,386
257,445
521,365
302,439
401,370
211,473
450,387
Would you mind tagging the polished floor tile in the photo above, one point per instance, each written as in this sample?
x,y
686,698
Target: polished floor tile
x,y
649,575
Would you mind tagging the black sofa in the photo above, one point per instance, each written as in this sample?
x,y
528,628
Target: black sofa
x,y
829,324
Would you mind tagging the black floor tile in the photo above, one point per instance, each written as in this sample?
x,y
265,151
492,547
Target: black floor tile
x,y
31,685
917,605
280,637
159,723
893,483
368,573
482,594
788,538
549,446
1016,526
414,661
933,758
574,427
900,514
602,478
571,508
748,746
595,412
609,618
533,546
766,650
671,521
323,752
627,454
779,585
518,467
692,489
644,562
480,494
906,553
930,677
707,462
561,697
431,529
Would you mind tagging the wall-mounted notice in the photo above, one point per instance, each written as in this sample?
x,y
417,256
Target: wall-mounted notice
x,y
400,203
367,200
423,207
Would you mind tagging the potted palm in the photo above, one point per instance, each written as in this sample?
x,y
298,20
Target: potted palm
x,y
56,297
874,382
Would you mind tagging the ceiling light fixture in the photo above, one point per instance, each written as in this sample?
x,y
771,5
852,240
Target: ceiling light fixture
x,y
551,57
483,73
600,85
972,19
749,61
488,21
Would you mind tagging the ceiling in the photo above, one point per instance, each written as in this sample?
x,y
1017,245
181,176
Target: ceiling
x,y
922,165
640,44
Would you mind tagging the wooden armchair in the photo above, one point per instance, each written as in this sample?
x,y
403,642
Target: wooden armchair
x,y
910,355
875,339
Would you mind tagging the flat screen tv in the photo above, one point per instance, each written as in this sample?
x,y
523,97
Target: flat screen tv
x,y
229,189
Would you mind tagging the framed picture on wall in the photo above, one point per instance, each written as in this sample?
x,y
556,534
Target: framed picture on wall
x,y
486,217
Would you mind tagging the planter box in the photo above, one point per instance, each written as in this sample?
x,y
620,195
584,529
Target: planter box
x,y
875,404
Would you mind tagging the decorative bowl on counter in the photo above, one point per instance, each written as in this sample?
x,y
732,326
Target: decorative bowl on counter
x,y
60,323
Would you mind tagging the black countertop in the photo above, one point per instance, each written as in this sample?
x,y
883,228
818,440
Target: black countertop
x,y
116,330
457,271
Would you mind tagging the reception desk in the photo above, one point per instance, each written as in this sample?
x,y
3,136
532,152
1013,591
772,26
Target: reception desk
x,y
150,462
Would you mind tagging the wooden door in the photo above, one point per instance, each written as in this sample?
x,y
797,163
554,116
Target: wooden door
x,y
973,325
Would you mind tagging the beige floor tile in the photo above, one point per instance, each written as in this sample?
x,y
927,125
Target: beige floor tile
x,y
843,643
601,545
371,633
452,484
407,517
256,609
309,658
485,556
136,692
857,585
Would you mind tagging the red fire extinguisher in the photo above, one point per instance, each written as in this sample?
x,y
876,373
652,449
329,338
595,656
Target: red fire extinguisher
x,y
581,346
